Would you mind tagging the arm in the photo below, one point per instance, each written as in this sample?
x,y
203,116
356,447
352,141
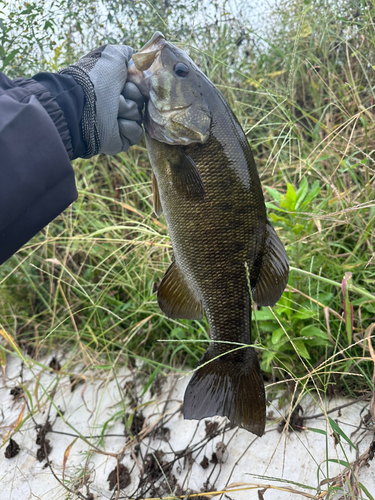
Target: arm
x,y
36,177
51,119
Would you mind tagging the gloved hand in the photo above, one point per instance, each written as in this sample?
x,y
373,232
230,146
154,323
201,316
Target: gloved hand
x,y
112,117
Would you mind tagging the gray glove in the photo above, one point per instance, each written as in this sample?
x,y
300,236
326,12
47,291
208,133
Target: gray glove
x,y
112,116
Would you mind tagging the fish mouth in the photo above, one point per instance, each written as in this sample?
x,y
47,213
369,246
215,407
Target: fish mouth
x,y
182,125
146,56
166,127
139,67
156,124
170,112
141,78
163,134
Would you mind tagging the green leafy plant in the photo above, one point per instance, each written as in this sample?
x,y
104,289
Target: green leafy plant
x,y
293,204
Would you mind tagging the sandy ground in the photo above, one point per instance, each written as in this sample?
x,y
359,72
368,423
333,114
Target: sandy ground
x,y
79,422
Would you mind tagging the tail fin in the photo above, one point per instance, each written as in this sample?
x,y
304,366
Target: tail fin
x,y
231,386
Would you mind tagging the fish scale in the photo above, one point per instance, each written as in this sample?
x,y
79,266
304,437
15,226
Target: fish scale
x,y
207,185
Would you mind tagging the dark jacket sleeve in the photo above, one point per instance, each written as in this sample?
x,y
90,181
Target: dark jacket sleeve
x,y
39,135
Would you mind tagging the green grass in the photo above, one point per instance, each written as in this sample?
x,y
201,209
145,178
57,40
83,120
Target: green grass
x,y
89,278
303,93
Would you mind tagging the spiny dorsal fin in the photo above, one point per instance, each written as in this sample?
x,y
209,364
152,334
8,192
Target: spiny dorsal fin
x,y
175,298
158,209
274,270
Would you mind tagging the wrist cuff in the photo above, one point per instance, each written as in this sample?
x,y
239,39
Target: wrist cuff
x,y
89,125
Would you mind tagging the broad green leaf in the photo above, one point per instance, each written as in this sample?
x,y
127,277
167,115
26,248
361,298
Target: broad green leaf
x,y
275,194
10,57
314,335
263,314
289,200
47,25
267,360
268,326
283,310
319,341
279,218
271,205
324,297
301,348
277,335
311,331
304,314
298,228
314,191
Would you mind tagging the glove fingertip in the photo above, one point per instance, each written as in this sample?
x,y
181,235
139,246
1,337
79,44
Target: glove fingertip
x,y
130,130
132,92
125,144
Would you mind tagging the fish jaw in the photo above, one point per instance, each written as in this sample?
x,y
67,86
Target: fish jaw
x,y
145,63
146,56
178,127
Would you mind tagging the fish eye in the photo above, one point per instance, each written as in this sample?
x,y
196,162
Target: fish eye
x,y
181,69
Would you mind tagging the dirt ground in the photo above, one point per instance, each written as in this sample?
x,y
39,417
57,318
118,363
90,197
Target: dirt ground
x,y
98,435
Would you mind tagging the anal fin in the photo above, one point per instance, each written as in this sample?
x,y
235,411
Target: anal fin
x,y
274,270
175,298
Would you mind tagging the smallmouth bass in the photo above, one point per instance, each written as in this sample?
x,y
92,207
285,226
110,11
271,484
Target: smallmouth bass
x,y
206,183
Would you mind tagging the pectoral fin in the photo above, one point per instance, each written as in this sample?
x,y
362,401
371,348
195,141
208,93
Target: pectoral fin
x,y
158,209
175,297
186,176
274,270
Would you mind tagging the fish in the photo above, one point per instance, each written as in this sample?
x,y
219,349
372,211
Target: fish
x,y
226,254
